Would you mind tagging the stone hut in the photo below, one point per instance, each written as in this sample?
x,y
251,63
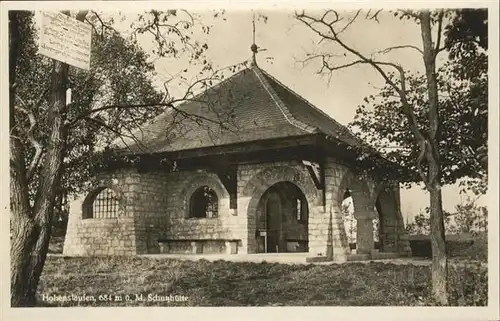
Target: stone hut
x,y
264,171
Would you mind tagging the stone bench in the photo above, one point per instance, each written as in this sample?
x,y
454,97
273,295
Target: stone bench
x,y
199,246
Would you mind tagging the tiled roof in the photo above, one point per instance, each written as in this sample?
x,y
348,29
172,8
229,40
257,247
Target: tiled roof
x,y
252,105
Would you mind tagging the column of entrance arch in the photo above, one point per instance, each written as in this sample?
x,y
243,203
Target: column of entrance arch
x,y
364,213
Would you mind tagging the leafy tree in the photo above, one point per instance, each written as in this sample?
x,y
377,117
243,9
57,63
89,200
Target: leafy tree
x,y
422,225
50,140
119,72
464,114
463,109
415,106
470,217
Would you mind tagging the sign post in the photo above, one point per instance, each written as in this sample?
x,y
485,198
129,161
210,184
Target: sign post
x,y
65,39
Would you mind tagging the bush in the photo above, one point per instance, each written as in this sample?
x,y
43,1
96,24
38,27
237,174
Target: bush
x,y
468,285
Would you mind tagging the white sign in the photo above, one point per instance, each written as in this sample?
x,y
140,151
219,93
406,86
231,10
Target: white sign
x,y
65,39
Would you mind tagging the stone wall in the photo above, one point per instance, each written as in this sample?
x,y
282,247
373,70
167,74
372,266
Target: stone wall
x,y
178,226
155,206
333,240
107,236
104,236
394,237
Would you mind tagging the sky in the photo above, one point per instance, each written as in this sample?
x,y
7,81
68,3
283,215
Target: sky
x,y
286,43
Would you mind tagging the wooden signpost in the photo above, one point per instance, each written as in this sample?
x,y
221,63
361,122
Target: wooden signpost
x,y
65,39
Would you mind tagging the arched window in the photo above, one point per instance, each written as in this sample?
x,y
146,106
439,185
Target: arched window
x,y
102,203
203,203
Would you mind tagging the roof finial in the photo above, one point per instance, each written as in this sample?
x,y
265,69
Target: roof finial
x,y
253,47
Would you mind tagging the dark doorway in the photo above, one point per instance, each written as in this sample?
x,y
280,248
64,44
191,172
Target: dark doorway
x,y
282,220
273,222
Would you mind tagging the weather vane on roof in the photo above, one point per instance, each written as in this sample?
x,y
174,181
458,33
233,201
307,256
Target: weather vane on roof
x,y
254,48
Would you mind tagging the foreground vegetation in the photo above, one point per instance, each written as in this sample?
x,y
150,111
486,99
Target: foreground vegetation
x,y
461,246
223,283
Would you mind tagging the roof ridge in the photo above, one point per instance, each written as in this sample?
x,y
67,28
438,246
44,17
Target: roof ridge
x,y
308,103
281,105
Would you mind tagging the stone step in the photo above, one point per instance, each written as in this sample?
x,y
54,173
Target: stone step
x,y
358,257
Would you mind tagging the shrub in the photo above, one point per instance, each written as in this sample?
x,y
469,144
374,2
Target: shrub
x,y
468,285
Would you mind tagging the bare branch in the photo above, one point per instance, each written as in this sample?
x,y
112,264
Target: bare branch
x,y
332,35
103,24
119,134
386,50
188,96
374,16
350,21
333,68
438,41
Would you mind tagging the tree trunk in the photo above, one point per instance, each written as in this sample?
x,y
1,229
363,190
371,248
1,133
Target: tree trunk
x,y
23,238
49,178
22,228
439,257
32,226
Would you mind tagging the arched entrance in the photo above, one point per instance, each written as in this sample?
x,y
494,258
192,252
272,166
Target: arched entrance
x,y
356,204
347,206
281,220
391,229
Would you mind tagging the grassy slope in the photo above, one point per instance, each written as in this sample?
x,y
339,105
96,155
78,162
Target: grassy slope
x,y
223,283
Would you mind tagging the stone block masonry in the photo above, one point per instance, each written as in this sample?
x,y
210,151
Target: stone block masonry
x,y
155,207
103,236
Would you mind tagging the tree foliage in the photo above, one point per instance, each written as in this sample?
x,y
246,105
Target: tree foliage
x,y
53,145
468,217
408,117
463,109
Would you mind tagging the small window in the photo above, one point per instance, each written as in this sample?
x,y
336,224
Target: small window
x,y
300,210
101,204
204,203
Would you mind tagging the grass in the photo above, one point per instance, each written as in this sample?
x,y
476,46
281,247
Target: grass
x,y
223,283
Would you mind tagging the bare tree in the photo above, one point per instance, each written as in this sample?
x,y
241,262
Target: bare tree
x,y
330,27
